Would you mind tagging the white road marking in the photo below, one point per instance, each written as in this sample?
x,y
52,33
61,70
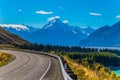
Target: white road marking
x,y
46,70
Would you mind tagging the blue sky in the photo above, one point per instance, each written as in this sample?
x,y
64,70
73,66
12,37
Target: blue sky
x,y
94,13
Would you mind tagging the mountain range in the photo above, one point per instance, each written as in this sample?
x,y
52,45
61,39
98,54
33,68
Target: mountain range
x,y
106,36
55,32
58,33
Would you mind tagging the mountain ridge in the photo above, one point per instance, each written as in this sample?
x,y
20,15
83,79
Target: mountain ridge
x,y
106,36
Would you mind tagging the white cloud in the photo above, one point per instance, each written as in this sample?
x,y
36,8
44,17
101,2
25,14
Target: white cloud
x,y
65,21
95,14
118,16
43,12
52,18
20,10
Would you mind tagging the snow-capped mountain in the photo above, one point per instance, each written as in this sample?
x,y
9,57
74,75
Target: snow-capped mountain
x,y
106,36
57,25
56,32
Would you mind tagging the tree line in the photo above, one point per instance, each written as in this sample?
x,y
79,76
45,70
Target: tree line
x,y
88,59
56,48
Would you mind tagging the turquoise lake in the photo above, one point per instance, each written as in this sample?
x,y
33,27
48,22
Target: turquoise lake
x,y
117,72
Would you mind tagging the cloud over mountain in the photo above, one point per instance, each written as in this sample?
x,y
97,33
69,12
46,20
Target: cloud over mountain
x,y
95,14
43,12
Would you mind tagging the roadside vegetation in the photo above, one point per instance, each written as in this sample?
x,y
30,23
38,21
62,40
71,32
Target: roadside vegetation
x,y
93,65
5,58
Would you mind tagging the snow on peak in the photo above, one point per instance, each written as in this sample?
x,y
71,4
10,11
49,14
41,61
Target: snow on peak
x,y
15,26
75,32
53,18
48,26
51,21
84,32
65,21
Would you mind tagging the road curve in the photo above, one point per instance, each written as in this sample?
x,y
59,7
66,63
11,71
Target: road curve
x,y
29,66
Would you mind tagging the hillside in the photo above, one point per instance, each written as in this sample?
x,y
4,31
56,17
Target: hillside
x,y
9,38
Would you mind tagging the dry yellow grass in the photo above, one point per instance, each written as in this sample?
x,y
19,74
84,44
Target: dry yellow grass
x,y
5,58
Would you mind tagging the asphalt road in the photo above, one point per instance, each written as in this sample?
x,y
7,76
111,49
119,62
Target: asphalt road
x,y
29,66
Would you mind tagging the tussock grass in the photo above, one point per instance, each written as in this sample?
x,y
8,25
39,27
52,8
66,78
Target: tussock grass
x,y
5,58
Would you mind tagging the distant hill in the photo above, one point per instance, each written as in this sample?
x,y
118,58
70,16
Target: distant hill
x,y
9,38
107,36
